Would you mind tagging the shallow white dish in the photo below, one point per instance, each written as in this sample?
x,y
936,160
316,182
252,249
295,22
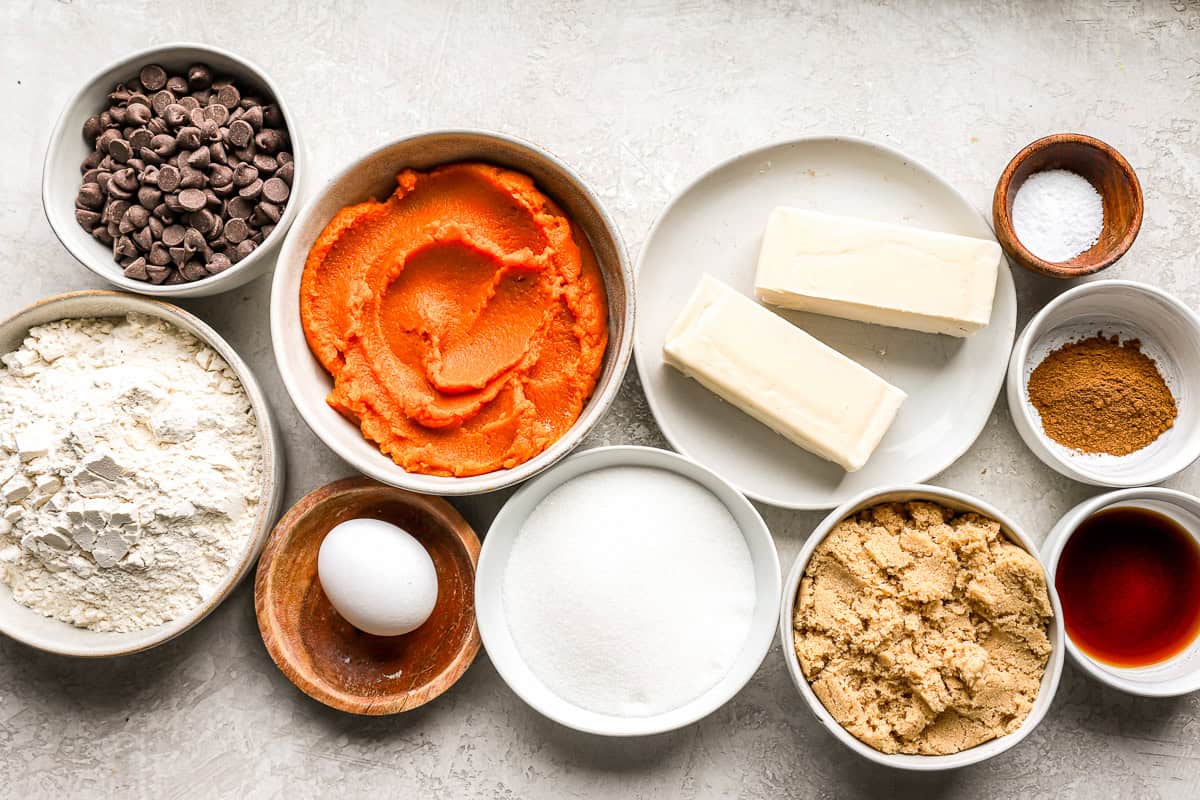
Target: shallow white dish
x,y
54,636
497,639
787,609
1170,334
374,175
1175,676
67,148
715,225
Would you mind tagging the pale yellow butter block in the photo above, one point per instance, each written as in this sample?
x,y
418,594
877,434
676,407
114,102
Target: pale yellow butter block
x,y
879,273
780,375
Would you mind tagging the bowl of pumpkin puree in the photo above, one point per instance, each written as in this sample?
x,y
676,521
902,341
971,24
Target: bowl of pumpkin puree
x,y
453,312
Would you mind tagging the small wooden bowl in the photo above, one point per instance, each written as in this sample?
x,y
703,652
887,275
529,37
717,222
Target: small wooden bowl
x,y
1104,168
323,654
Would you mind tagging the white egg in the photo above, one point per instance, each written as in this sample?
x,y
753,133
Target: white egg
x,y
377,576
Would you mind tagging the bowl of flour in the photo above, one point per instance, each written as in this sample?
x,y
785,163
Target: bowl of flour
x,y
140,473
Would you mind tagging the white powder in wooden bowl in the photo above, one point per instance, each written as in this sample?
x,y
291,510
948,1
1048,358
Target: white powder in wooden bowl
x,y
629,591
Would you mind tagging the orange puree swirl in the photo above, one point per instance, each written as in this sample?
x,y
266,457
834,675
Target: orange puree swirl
x,y
463,319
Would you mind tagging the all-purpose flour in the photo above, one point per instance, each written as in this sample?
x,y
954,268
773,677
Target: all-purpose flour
x,y
629,591
130,467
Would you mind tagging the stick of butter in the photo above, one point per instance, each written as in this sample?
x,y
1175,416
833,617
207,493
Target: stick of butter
x,y
874,272
780,375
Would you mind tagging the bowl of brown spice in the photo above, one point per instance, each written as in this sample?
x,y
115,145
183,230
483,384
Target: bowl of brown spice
x,y
1103,381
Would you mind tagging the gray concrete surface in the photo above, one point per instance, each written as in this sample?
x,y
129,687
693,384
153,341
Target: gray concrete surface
x,y
640,97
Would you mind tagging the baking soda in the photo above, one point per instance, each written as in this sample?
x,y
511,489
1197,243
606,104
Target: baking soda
x,y
629,591
1057,215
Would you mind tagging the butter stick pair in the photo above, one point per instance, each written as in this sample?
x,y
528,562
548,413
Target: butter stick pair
x,y
838,266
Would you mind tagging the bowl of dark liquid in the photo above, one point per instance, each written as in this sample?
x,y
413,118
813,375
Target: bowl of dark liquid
x,y
1126,566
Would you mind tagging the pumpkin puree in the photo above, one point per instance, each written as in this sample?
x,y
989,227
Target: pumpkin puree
x,y
463,319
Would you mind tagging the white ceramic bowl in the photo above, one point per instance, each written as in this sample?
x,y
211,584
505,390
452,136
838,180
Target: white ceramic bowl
x,y
959,502
497,638
54,636
374,175
1170,334
1175,676
67,148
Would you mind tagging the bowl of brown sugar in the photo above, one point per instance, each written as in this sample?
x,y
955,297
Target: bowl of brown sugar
x,y
1103,384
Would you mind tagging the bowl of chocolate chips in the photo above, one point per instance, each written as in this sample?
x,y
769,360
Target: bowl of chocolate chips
x,y
174,172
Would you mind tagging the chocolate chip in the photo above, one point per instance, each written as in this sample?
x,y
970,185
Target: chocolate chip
x,y
124,246
114,211
201,220
86,219
148,196
220,175
189,102
120,150
229,96
177,84
191,178
211,200
253,116
163,145
189,137
244,175
101,235
173,204
272,116
210,131
266,230
199,76
159,254
139,114
238,208
193,240
179,255
286,172
240,133
252,190
153,77
90,196
269,139
216,112
105,137
168,178
140,138
265,163
243,249
158,125
276,190
158,274
161,100
173,235
218,263
144,239
90,161
162,212
192,199
236,230
155,227
174,277
269,211
217,151
137,270
175,114
92,128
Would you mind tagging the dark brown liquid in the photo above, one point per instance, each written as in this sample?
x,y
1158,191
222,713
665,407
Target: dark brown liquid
x,y
1129,582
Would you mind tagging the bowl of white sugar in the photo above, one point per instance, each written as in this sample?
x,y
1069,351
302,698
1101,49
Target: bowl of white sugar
x,y
140,473
627,591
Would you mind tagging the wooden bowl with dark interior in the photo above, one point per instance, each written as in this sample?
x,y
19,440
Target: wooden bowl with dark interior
x,y
324,655
1105,169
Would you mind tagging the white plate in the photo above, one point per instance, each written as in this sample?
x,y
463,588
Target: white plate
x,y
716,224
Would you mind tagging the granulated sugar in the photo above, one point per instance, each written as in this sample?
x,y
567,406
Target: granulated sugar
x,y
629,591
1057,214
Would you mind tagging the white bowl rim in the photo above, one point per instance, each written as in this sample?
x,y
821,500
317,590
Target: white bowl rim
x,y
918,763
381,467
272,484
1016,388
757,641
816,138
215,284
1057,540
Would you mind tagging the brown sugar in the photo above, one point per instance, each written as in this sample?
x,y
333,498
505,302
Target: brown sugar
x,y
1102,395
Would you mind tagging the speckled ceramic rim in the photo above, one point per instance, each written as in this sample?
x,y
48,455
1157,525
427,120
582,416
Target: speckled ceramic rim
x,y
1028,424
285,326
493,627
990,388
53,197
104,303
1125,680
960,502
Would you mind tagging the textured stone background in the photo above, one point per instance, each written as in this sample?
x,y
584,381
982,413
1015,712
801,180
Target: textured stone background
x,y
640,97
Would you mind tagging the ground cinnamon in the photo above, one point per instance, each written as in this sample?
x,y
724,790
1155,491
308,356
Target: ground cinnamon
x,y
1102,395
